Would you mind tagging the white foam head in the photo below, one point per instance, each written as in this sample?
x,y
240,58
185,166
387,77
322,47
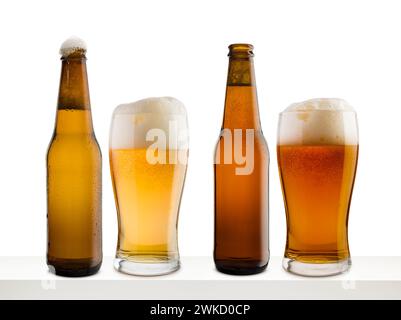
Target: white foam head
x,y
136,125
72,45
318,122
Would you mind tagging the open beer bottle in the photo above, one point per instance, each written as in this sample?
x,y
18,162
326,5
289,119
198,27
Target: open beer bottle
x,y
241,174
74,180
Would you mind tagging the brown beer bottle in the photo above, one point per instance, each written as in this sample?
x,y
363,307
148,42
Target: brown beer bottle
x,y
74,181
241,174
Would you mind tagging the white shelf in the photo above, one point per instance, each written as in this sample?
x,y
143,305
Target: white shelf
x,y
369,278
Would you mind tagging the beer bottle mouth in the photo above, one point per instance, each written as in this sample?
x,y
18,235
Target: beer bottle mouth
x,y
241,50
75,56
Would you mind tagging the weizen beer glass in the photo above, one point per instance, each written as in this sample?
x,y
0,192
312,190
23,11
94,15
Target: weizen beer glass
x,y
317,153
148,162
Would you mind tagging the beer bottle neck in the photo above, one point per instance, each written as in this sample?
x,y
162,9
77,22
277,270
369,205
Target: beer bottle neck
x,y
241,106
74,90
73,107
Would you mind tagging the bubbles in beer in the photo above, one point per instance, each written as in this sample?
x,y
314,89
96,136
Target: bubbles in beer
x,y
72,45
137,124
319,122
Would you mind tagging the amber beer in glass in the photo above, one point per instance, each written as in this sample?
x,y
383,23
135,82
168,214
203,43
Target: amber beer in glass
x,y
74,174
317,155
241,174
148,162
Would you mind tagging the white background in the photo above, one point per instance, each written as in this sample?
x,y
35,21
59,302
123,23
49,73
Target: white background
x,y
137,49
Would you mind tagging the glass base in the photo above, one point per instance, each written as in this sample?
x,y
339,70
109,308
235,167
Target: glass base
x,y
316,269
144,268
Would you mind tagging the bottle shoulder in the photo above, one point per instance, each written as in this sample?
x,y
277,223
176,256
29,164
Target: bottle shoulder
x,y
255,138
257,134
66,143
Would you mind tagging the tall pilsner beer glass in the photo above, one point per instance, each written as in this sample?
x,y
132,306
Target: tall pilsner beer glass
x,y
317,155
148,162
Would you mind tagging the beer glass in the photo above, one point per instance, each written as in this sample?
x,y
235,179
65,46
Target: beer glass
x,y
317,152
148,161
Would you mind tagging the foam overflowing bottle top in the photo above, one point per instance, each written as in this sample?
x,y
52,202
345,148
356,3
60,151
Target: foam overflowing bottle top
x,y
72,45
